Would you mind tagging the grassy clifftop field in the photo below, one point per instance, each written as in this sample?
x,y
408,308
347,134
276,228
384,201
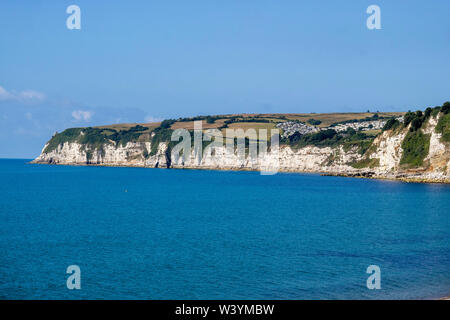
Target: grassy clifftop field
x,y
132,132
258,121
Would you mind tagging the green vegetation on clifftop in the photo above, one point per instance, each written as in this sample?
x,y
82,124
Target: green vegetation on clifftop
x,y
95,138
161,135
330,138
443,125
68,135
366,163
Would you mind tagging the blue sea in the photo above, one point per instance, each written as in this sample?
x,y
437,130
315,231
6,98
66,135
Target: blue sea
x,y
141,233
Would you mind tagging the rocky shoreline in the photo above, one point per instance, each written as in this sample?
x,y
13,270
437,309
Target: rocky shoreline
x,y
403,178
359,175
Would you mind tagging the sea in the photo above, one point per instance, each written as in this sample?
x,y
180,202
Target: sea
x,y
144,233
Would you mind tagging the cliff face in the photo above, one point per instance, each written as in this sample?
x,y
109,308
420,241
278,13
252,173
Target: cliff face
x,y
384,158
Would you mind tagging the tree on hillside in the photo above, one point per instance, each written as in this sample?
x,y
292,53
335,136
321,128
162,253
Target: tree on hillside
x,y
445,107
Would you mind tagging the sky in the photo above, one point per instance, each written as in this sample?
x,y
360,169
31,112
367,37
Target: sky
x,y
140,61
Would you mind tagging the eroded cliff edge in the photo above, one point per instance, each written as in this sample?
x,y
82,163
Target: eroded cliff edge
x,y
416,150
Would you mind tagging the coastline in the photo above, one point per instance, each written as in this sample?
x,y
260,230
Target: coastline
x,y
393,178
360,175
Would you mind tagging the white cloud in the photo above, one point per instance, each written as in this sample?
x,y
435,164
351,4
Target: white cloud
x,y
24,96
32,95
81,115
4,95
152,119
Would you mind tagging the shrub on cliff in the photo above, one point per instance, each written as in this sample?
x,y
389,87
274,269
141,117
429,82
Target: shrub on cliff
x,y
391,124
443,127
409,116
314,122
166,124
435,111
416,123
416,119
415,148
366,163
320,139
445,107
314,138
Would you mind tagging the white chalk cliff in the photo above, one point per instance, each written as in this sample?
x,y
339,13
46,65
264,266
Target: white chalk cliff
x,y
385,155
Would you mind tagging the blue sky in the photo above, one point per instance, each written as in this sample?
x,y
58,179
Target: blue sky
x,y
137,60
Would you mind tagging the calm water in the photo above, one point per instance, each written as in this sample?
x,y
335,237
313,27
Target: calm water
x,y
185,234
